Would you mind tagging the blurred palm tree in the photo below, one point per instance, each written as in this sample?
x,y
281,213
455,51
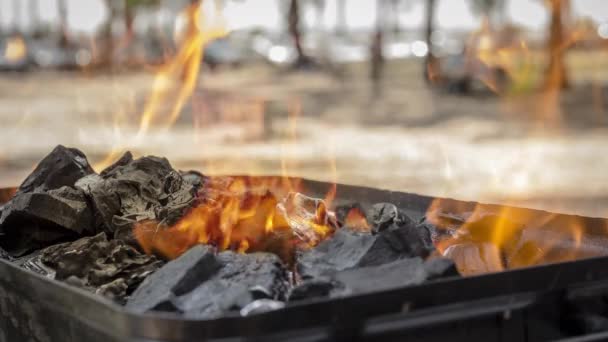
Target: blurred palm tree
x,y
293,20
130,11
16,17
340,17
62,8
431,64
489,9
556,76
34,13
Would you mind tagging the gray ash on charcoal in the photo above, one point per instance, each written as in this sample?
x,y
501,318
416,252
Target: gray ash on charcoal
x,y
360,280
394,236
107,267
64,199
133,190
205,284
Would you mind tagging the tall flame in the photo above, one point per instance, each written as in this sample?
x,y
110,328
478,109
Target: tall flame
x,y
176,80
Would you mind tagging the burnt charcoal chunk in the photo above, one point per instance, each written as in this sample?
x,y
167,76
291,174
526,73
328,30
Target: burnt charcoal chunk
x,y
404,272
202,284
440,268
38,219
342,251
4,255
408,240
176,278
195,178
312,288
108,267
348,249
134,190
400,273
62,167
382,216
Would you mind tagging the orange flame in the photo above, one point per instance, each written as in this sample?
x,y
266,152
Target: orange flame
x,y
175,81
243,214
484,238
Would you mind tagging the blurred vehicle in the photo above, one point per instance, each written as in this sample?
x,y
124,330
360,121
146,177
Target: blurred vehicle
x,y
20,54
462,73
46,54
482,65
224,51
14,56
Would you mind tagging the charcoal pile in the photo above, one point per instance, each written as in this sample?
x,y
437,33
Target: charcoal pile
x,y
69,223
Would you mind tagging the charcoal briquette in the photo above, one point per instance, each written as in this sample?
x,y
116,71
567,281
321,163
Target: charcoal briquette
x,y
203,284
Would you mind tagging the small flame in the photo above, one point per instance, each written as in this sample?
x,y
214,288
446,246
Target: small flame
x,y
16,49
489,239
355,219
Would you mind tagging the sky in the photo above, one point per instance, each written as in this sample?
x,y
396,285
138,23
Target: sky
x,y
88,15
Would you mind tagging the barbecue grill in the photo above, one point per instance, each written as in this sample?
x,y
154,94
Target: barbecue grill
x,y
539,303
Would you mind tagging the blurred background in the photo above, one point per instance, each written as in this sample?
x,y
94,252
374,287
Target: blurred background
x,y
491,100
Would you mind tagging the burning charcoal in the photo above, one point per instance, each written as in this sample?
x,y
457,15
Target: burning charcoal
x,y
308,217
472,258
348,249
111,268
135,190
343,210
381,216
38,219
202,284
62,167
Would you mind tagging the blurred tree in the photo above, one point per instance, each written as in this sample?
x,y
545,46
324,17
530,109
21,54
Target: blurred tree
x,y
34,13
377,43
62,8
130,10
490,10
293,20
340,17
431,65
16,24
556,76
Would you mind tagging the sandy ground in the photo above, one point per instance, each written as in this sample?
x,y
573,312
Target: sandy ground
x,y
260,121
